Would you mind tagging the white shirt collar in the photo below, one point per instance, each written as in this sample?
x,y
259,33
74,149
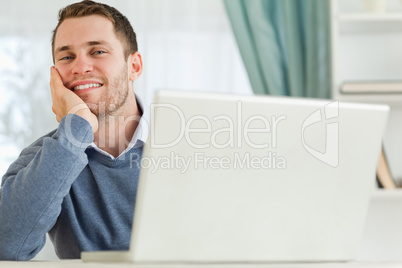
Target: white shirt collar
x,y
140,135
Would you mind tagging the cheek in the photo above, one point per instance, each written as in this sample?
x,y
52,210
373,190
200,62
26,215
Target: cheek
x,y
63,73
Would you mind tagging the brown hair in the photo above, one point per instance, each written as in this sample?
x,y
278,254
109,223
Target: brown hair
x,y
122,26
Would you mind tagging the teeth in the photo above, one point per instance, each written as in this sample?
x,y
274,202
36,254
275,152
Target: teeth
x,y
81,87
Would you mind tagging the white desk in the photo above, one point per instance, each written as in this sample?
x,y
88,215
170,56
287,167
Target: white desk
x,y
79,264
382,240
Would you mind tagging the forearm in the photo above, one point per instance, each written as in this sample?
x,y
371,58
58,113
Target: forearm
x,y
35,185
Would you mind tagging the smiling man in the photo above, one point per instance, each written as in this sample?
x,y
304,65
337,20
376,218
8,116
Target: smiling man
x,y
76,183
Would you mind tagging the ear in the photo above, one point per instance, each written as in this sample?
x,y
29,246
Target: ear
x,y
134,66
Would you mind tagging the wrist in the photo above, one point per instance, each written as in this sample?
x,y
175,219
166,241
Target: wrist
x,y
88,116
74,131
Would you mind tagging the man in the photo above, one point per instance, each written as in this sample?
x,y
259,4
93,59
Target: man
x,y
77,182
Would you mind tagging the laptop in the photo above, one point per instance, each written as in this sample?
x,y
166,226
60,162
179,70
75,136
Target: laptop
x,y
382,236
244,179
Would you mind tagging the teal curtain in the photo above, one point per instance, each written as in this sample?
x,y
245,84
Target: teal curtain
x,y
285,45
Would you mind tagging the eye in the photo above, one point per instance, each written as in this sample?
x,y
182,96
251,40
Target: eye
x,y
67,58
99,52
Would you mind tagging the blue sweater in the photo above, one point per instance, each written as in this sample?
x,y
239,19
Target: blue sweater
x,y
83,198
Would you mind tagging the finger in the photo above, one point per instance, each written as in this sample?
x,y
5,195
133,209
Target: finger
x,y
55,79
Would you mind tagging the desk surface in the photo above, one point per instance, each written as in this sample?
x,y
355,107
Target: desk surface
x,y
79,263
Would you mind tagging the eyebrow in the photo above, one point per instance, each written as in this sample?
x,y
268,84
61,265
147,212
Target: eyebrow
x,y
88,44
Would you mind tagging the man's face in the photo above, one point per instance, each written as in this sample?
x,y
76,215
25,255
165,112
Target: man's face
x,y
90,60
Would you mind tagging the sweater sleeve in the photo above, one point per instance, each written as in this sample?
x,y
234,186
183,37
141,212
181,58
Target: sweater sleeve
x,y
34,186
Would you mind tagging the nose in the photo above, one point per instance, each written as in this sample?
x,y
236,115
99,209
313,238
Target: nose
x,y
82,65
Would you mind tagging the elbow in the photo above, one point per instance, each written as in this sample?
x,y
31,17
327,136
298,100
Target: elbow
x,y
6,254
13,252
8,250
16,247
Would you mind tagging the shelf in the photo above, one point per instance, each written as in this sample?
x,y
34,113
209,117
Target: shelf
x,y
372,87
394,100
362,41
366,17
358,27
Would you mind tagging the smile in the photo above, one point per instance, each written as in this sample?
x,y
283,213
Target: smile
x,y
82,87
